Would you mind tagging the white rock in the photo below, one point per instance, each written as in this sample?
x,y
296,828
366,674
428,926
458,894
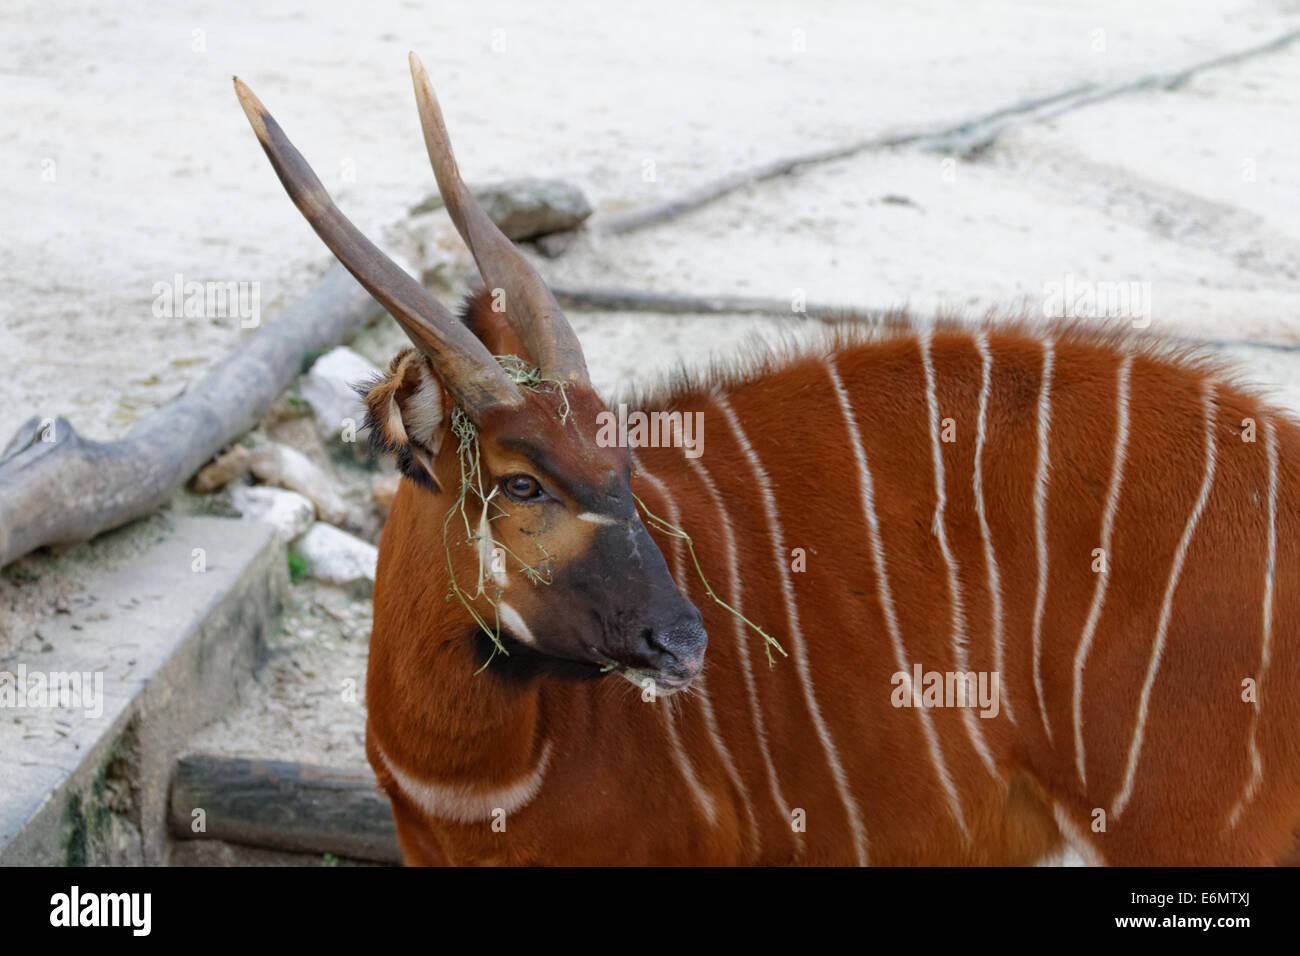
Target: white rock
x,y
336,557
329,387
525,208
289,468
290,512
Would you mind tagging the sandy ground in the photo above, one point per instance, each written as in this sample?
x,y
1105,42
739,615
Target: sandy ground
x,y
126,162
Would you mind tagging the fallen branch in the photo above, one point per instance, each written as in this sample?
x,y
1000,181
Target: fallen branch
x,y
977,140
672,303
57,487
283,806
964,138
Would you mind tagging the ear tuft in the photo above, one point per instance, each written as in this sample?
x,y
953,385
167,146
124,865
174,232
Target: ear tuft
x,y
405,414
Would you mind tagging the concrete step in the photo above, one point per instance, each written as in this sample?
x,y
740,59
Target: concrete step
x,y
159,651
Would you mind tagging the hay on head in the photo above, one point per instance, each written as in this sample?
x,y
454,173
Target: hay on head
x,y
471,483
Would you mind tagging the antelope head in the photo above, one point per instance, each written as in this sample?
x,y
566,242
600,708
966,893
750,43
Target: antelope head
x,y
545,543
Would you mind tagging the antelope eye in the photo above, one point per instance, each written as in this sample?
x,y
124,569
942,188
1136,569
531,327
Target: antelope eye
x,y
522,487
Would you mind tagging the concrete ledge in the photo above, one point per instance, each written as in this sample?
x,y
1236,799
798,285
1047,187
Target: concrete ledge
x,y
174,634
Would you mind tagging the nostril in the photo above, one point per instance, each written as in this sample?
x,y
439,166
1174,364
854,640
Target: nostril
x,y
654,640
657,649
658,653
676,648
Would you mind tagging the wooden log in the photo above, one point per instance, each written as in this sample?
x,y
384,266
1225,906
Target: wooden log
x,y
284,806
602,299
608,299
59,488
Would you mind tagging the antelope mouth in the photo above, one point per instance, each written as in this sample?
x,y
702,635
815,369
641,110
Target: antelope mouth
x,y
658,682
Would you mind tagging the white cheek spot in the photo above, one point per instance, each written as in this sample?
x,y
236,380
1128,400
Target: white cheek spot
x,y
595,518
487,548
515,624
487,554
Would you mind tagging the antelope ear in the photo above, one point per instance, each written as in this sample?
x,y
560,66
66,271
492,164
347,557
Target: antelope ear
x,y
406,413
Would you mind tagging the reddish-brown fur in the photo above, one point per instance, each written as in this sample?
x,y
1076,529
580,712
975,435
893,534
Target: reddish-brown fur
x,y
613,791
1141,739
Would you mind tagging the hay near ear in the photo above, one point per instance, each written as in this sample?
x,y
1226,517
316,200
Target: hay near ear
x,y
471,482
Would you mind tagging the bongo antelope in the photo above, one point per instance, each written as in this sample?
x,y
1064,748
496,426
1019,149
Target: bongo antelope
x,y
1105,528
